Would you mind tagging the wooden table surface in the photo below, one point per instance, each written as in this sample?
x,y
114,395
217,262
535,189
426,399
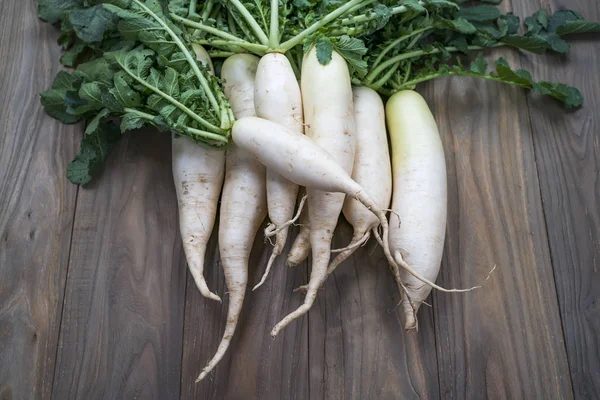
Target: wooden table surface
x,y
96,302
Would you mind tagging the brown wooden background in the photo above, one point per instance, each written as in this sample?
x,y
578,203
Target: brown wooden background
x,y
96,302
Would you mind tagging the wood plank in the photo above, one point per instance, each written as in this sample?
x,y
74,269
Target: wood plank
x,y
504,340
37,204
122,325
567,149
358,347
256,365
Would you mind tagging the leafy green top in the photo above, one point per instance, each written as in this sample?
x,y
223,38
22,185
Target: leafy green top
x,y
134,59
141,70
417,45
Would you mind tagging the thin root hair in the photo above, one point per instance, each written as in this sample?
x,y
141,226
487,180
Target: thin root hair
x,y
269,232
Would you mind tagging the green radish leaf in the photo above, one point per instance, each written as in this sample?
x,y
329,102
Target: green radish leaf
x,y
90,24
95,122
324,50
353,50
535,43
459,25
54,11
54,100
94,149
575,27
131,122
480,65
92,93
76,52
415,5
123,93
479,13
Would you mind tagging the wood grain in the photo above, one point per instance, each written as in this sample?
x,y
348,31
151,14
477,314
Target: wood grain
x,y
256,366
134,326
122,326
502,341
358,347
567,149
37,204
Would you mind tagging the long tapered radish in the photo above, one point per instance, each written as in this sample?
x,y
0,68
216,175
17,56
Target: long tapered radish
x,y
277,98
243,204
301,246
418,224
372,169
198,175
329,119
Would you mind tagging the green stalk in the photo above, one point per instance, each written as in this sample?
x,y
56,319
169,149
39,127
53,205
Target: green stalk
x,y
359,6
255,48
140,114
260,34
215,104
318,25
417,53
394,83
274,28
347,31
386,77
194,131
207,9
364,18
411,84
173,101
215,11
206,28
221,54
397,42
407,75
204,134
193,6
231,23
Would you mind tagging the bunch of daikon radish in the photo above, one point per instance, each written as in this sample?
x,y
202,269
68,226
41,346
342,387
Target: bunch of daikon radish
x,y
330,138
294,127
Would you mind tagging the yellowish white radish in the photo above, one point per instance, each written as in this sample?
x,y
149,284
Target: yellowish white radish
x,y
418,223
243,205
198,175
277,98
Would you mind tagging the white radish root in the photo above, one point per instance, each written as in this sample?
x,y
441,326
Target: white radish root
x,y
277,98
243,206
329,119
198,175
372,168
